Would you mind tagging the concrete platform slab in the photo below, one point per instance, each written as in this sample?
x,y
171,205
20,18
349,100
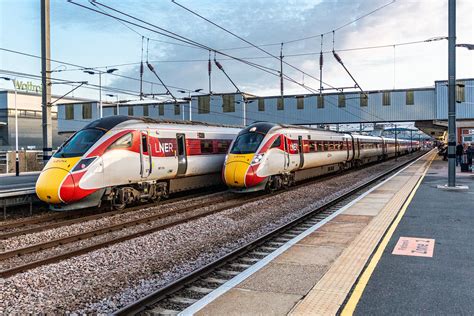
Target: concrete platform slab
x,y
328,238
284,278
250,303
310,255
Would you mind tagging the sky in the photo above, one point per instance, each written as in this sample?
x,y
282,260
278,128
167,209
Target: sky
x,y
88,39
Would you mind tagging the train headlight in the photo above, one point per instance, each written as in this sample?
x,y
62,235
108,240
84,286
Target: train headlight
x,y
258,158
83,164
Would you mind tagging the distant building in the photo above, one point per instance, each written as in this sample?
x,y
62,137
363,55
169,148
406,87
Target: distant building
x,y
427,107
29,118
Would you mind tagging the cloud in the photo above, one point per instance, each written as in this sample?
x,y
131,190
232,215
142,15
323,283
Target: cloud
x,y
263,22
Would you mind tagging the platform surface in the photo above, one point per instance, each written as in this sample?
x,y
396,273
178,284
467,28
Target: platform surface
x,y
422,285
23,181
316,275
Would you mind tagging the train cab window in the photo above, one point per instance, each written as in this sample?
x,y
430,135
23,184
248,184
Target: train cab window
x,y
123,142
79,143
276,143
144,143
247,143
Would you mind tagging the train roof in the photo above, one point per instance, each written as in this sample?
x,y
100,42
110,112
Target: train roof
x,y
109,122
265,127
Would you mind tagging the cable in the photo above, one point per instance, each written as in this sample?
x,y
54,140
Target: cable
x,y
244,40
83,67
265,57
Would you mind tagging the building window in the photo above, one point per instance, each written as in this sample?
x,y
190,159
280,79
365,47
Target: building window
x,y
130,110
261,104
204,104
364,99
87,111
460,93
69,109
228,103
341,101
410,97
145,110
300,103
386,98
177,109
320,101
161,109
280,105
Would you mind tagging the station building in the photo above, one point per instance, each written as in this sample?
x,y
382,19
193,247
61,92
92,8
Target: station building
x,y
28,103
427,107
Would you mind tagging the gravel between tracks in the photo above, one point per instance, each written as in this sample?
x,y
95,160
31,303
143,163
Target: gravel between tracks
x,y
81,227
107,279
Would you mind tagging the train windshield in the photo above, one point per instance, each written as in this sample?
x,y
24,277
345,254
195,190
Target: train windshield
x,y
247,143
78,144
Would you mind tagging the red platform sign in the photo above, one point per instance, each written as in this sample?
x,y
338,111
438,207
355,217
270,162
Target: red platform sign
x,y
413,246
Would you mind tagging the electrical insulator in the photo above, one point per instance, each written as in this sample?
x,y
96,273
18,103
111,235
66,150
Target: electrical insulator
x,y
209,67
337,57
321,61
218,65
141,68
150,67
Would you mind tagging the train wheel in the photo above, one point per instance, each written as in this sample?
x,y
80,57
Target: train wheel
x,y
118,200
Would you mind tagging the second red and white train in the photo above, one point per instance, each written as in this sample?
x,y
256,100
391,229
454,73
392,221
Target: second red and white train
x,y
274,156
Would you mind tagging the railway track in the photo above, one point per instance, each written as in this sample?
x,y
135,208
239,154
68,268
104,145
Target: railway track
x,y
177,296
50,221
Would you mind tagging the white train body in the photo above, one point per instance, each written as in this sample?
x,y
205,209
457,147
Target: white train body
x,y
267,154
125,159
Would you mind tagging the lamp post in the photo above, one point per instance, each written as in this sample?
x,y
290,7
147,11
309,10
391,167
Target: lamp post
x,y
117,104
17,158
98,72
189,99
244,103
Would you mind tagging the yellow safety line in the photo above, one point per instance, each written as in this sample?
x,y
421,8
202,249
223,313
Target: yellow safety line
x,y
351,304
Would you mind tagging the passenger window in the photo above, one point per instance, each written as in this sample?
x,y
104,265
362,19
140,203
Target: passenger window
x,y
277,142
123,142
206,147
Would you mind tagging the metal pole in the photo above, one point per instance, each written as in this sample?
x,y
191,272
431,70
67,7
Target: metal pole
x,y
281,74
45,81
411,141
190,108
100,94
244,107
452,94
396,147
17,158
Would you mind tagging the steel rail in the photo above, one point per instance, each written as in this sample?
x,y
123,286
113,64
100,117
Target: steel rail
x,y
160,294
83,215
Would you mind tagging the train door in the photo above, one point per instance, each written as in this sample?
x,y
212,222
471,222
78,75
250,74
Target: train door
x,y
145,155
181,154
300,149
287,153
358,148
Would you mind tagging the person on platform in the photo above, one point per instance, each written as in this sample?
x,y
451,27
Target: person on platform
x,y
470,155
459,152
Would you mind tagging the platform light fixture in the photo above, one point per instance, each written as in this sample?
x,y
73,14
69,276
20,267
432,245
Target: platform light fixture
x,y
91,71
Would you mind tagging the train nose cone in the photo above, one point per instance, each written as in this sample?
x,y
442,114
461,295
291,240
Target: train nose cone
x,y
236,169
48,185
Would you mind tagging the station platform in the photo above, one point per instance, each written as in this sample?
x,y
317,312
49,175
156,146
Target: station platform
x,y
345,265
9,182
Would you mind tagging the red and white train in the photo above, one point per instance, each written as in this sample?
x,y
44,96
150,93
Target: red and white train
x,y
273,156
124,159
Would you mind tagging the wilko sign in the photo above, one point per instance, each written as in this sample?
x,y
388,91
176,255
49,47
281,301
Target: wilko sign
x,y
27,86
418,247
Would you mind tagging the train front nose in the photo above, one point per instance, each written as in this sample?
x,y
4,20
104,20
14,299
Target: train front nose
x,y
55,184
236,168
